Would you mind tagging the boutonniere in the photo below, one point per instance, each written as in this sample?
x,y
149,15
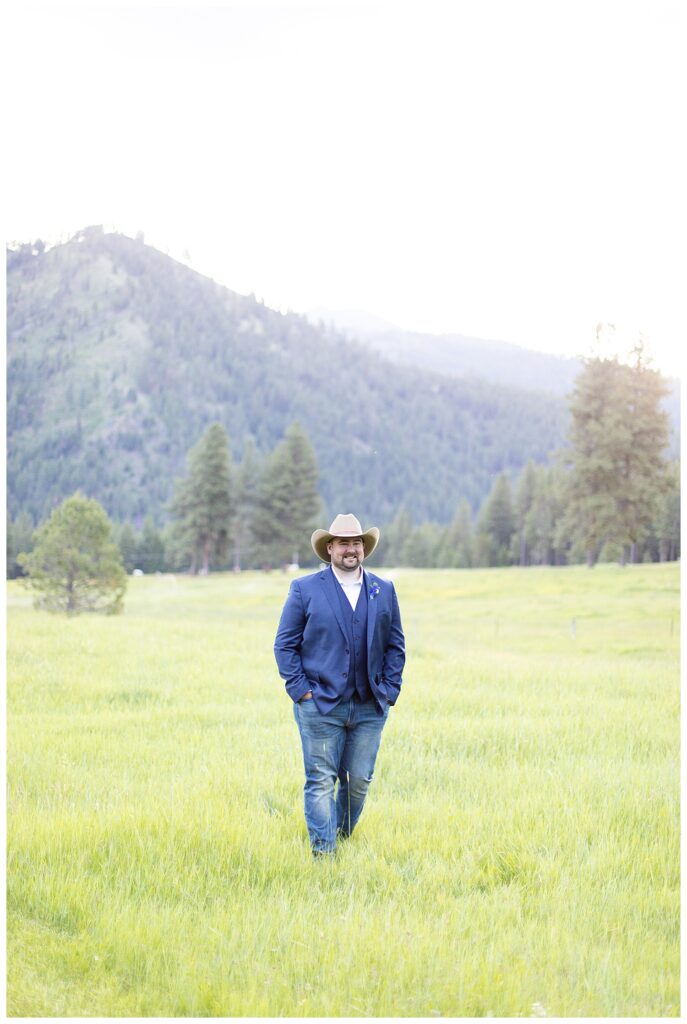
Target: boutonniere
x,y
374,589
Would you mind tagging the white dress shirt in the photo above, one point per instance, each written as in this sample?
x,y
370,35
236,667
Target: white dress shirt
x,y
351,586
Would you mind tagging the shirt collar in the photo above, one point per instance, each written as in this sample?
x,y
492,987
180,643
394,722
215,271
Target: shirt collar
x,y
345,580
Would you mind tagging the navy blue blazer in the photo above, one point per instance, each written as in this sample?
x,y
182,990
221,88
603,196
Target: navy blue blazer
x,y
312,649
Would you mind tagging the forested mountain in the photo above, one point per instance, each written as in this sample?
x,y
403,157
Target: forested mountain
x,y
457,355
119,357
460,355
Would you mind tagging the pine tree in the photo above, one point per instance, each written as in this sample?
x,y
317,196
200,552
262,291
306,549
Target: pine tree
x,y
288,501
128,546
178,553
617,439
247,485
75,566
524,496
543,516
667,525
645,469
393,539
204,501
496,524
179,535
151,548
599,433
19,538
455,551
421,546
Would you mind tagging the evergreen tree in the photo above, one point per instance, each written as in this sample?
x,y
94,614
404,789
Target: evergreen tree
x,y
645,467
19,538
421,546
496,524
247,485
75,566
288,502
455,549
667,524
599,433
178,552
524,536
393,539
128,546
179,539
543,516
151,548
617,439
204,501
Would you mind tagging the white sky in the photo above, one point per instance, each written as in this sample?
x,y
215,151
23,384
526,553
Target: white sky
x,y
508,169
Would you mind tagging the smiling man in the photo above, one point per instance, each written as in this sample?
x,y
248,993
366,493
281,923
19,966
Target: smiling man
x,y
341,651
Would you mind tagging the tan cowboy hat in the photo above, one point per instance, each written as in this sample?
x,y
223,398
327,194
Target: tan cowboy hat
x,y
344,526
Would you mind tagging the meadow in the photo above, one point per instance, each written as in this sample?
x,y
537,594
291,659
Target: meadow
x,y
518,854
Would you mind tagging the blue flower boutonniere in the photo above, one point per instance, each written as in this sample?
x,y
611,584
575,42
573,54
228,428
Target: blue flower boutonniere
x,y
374,589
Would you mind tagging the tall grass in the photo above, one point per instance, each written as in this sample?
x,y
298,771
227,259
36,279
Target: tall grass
x,y
518,854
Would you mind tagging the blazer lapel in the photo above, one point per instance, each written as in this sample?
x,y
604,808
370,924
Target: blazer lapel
x,y
371,611
330,586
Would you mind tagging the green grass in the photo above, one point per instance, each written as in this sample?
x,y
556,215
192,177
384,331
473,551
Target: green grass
x,y
518,853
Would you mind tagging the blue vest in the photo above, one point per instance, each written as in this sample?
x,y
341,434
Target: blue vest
x,y
356,629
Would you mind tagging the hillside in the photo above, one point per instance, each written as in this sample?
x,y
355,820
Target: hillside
x,y
457,354
119,357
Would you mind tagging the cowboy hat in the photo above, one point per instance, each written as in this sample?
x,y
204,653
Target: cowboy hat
x,y
343,526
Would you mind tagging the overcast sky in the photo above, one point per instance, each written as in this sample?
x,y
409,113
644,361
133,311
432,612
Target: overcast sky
x,y
508,169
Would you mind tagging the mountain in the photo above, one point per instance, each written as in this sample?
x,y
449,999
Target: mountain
x,y
118,358
459,355
456,354
463,356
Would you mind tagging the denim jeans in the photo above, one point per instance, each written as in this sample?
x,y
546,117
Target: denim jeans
x,y
341,745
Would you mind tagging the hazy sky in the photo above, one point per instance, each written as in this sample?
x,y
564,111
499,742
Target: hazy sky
x,y
509,169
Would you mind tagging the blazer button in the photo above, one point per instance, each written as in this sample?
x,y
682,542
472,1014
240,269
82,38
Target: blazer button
x,y
344,674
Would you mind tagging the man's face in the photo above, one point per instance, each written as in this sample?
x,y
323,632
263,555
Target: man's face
x,y
346,553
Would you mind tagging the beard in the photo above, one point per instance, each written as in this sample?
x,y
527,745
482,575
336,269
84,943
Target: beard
x,y
348,563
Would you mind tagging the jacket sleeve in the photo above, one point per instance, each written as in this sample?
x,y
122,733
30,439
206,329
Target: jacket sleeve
x,y
395,653
287,644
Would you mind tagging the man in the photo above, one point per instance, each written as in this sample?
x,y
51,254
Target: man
x,y
341,651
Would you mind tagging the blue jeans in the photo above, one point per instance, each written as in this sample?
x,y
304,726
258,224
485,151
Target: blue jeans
x,y
341,745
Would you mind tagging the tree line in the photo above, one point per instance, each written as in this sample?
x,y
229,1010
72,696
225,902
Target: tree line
x,y
258,513
611,494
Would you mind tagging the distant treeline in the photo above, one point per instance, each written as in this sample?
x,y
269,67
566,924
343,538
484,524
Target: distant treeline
x,y
525,523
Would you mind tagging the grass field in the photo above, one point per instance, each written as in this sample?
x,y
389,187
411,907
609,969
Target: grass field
x,y
518,854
